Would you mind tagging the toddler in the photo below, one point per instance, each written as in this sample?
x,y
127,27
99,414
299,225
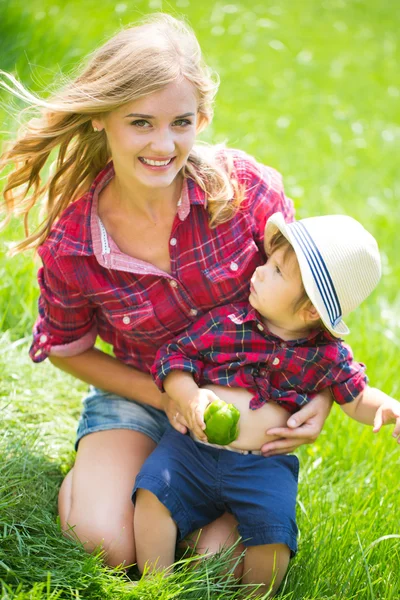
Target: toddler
x,y
282,347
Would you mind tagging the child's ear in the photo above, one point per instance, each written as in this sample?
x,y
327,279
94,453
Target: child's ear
x,y
310,313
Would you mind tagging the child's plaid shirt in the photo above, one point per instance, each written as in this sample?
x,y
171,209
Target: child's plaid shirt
x,y
231,346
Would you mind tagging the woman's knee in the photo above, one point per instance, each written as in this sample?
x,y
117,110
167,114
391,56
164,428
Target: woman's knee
x,y
112,534
95,503
65,500
97,527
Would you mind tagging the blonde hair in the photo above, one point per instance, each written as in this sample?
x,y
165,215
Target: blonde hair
x,y
135,62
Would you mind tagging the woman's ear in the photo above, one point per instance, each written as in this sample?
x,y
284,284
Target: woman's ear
x,y
202,122
97,125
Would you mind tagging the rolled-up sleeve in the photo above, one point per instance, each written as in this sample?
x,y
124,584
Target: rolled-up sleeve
x,y
184,353
348,377
175,357
66,325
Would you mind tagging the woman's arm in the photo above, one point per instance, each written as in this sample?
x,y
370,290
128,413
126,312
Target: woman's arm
x,y
302,428
108,373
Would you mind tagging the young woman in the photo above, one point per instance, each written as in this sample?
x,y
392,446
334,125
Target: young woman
x,y
144,231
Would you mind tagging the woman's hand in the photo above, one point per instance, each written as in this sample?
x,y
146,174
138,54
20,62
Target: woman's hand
x,y
302,428
171,409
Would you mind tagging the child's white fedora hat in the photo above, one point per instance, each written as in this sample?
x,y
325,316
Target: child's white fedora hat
x,y
339,263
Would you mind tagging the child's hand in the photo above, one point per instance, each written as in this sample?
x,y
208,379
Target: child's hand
x,y
195,412
388,412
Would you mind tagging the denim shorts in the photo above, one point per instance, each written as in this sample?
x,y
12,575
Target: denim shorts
x,y
103,410
198,483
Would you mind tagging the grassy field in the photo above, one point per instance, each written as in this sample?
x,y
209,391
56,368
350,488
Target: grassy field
x,y
311,88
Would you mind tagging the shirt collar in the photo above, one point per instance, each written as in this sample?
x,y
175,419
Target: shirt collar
x,y
245,313
81,234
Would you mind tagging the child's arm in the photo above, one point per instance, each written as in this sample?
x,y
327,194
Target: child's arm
x,y
374,407
350,389
191,400
180,364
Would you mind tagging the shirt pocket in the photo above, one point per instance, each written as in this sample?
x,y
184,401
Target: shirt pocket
x,y
231,276
288,361
136,323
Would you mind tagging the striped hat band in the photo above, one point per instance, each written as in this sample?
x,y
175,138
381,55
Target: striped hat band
x,y
319,271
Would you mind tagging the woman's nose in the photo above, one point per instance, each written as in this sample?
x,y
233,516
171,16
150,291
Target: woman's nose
x,y
163,142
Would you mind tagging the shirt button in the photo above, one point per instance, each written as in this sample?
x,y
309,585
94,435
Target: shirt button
x,y
283,345
193,312
234,266
173,241
126,320
43,339
173,283
263,372
276,361
260,327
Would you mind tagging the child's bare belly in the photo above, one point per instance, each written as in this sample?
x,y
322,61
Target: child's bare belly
x,y
253,423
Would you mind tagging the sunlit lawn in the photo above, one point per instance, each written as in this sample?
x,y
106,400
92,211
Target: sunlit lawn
x,y
313,89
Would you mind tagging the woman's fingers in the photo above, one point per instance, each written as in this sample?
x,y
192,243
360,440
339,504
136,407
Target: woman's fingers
x,y
179,423
289,439
175,418
308,433
305,414
282,446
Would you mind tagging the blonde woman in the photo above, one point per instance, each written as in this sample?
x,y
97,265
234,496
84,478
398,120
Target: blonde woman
x,y
144,232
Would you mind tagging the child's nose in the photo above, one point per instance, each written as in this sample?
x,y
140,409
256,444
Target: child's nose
x,y
260,272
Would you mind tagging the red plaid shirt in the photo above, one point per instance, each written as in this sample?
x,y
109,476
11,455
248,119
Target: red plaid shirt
x,y
230,346
89,287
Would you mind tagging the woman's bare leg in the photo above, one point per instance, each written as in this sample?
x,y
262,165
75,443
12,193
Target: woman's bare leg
x,y
95,502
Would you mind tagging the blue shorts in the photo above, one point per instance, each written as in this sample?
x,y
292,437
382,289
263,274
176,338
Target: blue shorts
x,y
103,410
198,483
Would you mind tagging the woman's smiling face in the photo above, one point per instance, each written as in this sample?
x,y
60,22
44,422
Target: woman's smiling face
x,y
151,138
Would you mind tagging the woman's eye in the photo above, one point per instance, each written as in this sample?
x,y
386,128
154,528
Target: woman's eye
x,y
182,122
141,124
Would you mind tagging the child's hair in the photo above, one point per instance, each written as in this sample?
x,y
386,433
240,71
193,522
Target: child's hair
x,y
279,242
135,62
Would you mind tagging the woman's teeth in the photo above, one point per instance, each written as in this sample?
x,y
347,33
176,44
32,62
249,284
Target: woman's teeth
x,y
155,163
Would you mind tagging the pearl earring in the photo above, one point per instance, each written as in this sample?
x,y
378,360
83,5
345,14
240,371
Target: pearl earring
x,y
95,129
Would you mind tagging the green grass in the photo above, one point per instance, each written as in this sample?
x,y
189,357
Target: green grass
x,y
311,88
